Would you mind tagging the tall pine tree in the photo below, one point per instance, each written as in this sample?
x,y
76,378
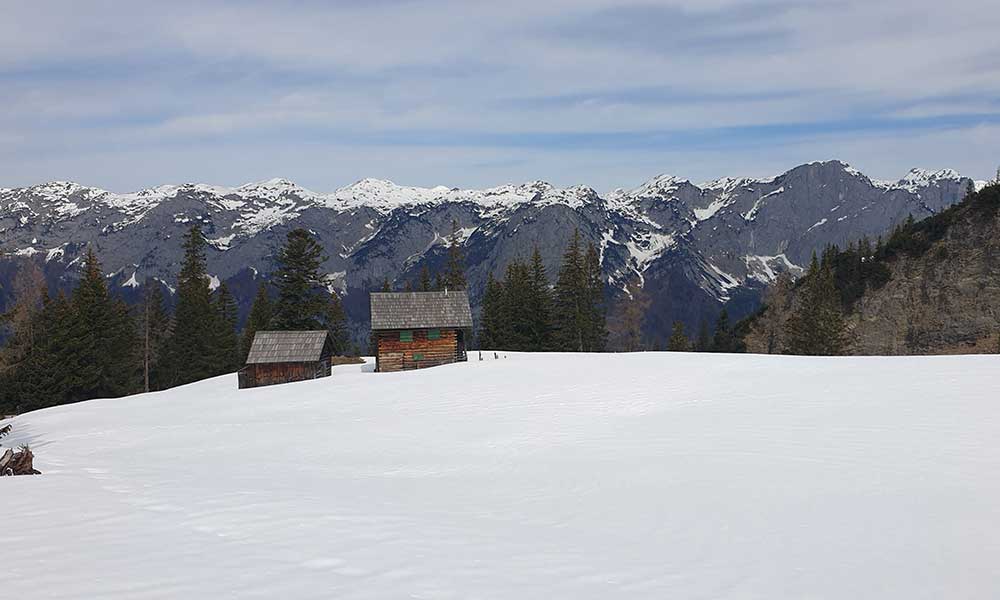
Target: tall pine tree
x,y
597,328
189,353
259,320
225,341
491,318
570,300
538,305
454,276
302,297
816,327
154,329
678,341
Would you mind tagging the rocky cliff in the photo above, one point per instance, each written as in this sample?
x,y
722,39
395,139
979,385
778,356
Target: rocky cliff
x,y
940,293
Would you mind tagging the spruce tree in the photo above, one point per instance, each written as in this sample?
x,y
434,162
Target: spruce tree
x,y
678,341
490,321
302,298
225,341
336,324
596,310
703,342
723,340
258,320
516,322
538,305
816,327
425,279
102,335
454,277
154,329
188,354
571,299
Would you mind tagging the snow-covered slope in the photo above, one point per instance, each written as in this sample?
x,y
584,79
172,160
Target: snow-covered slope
x,y
555,476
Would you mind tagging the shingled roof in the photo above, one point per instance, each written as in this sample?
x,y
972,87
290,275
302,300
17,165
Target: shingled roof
x,y
287,346
421,310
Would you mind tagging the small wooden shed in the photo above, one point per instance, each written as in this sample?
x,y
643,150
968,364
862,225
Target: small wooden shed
x,y
413,330
285,356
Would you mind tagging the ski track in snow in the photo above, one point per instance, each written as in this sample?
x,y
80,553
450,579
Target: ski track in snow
x,y
651,475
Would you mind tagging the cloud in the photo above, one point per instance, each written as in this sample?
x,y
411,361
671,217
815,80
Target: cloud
x,y
598,91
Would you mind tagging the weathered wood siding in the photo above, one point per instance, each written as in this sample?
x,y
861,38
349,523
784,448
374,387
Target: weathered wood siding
x,y
273,373
395,355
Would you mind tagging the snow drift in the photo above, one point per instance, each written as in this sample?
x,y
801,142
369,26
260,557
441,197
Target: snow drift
x,y
536,476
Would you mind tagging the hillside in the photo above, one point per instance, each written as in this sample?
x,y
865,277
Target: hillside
x,y
650,475
692,247
934,288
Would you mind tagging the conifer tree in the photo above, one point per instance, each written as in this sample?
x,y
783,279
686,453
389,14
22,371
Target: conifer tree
x,y
516,322
425,279
816,327
102,335
302,298
154,329
454,277
490,323
385,285
408,286
538,305
704,342
678,341
225,342
571,299
596,317
188,353
259,319
723,340
336,324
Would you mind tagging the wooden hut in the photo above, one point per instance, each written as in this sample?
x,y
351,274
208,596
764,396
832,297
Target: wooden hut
x,y
284,356
413,330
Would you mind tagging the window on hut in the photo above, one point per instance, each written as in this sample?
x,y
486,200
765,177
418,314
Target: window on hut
x,y
433,334
406,336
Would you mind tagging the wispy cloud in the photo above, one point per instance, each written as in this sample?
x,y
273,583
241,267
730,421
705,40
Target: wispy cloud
x,y
601,92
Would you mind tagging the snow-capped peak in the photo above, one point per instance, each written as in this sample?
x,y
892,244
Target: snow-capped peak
x,y
659,185
920,178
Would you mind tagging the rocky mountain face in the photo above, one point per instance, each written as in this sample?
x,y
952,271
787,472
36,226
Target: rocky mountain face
x,y
692,248
942,295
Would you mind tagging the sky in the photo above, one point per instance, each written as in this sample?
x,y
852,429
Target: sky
x,y
605,93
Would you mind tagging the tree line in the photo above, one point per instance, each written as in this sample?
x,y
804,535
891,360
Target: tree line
x,y
90,344
522,312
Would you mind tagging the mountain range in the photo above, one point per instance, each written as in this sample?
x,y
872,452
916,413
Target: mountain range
x,y
691,248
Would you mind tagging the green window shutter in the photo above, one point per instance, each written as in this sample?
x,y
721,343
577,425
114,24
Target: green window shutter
x,y
418,356
433,334
406,336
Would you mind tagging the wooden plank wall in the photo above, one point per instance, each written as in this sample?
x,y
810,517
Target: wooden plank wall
x,y
273,373
394,355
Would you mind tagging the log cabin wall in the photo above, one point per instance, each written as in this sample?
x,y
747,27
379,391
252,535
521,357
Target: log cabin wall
x,y
274,373
395,354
